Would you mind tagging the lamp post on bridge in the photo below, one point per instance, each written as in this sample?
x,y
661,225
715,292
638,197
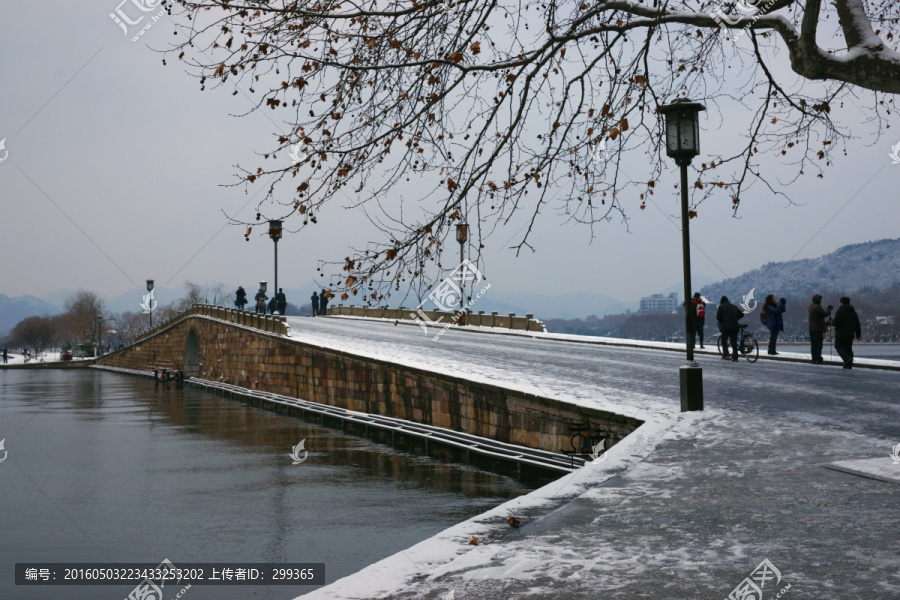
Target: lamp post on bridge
x,y
150,301
462,236
275,229
683,144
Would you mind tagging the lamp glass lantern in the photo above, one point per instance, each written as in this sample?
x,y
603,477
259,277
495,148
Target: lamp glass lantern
x,y
263,286
275,229
149,285
462,233
682,129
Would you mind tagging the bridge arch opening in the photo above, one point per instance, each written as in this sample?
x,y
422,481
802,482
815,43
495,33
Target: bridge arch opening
x,y
192,355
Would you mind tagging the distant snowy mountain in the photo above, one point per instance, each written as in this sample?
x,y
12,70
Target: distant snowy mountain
x,y
13,310
874,265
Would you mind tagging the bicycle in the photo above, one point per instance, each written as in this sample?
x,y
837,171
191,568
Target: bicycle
x,y
746,342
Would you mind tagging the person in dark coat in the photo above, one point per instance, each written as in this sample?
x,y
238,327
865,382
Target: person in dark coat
x,y
699,307
774,320
729,318
315,303
261,301
818,319
272,306
240,297
280,301
323,302
5,356
846,327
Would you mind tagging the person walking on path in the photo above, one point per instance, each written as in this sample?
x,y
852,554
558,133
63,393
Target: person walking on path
x,y
818,319
323,302
846,327
272,305
5,356
729,316
280,301
774,322
240,297
315,303
261,301
699,307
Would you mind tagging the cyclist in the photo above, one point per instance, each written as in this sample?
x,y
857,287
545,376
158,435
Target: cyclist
x,y
729,316
261,301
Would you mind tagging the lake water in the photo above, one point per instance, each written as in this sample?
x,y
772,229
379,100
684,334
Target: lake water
x,y
882,351
107,468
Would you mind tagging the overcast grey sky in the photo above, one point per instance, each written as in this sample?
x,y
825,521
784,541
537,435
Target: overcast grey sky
x,y
116,162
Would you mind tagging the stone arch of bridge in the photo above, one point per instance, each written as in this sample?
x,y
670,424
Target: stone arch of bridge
x,y
192,354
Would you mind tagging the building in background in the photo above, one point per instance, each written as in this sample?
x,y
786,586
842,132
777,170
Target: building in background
x,y
659,303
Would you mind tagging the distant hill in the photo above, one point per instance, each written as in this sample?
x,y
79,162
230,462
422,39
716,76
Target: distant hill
x,y
872,265
13,310
869,273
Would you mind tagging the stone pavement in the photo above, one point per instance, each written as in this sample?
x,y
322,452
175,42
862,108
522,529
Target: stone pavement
x,y
717,496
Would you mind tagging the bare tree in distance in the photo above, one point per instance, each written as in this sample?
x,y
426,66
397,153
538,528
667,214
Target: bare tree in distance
x,y
492,109
79,322
198,293
35,333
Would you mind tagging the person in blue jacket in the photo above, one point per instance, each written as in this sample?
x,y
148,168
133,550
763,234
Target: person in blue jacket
x,y
774,321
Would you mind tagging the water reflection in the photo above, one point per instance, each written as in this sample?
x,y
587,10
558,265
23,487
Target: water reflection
x,y
106,467
368,455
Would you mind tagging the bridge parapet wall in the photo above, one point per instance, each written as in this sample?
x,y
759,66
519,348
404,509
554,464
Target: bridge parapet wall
x,y
273,323
479,319
229,351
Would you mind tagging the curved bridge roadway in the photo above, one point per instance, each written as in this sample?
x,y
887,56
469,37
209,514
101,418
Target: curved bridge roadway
x,y
688,515
862,400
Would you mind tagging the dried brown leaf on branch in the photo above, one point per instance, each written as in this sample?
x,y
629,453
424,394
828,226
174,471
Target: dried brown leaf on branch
x,y
389,99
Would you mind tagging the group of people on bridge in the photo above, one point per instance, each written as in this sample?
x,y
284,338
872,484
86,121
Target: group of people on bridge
x,y
319,303
277,305
845,322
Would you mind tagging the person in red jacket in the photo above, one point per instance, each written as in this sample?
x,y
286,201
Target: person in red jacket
x,y
699,307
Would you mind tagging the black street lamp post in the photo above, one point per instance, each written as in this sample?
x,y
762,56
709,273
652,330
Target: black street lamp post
x,y
462,236
683,144
275,228
150,301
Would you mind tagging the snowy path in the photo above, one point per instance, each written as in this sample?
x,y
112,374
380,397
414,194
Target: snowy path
x,y
687,506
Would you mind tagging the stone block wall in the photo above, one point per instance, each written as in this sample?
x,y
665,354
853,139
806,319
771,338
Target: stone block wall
x,y
263,361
